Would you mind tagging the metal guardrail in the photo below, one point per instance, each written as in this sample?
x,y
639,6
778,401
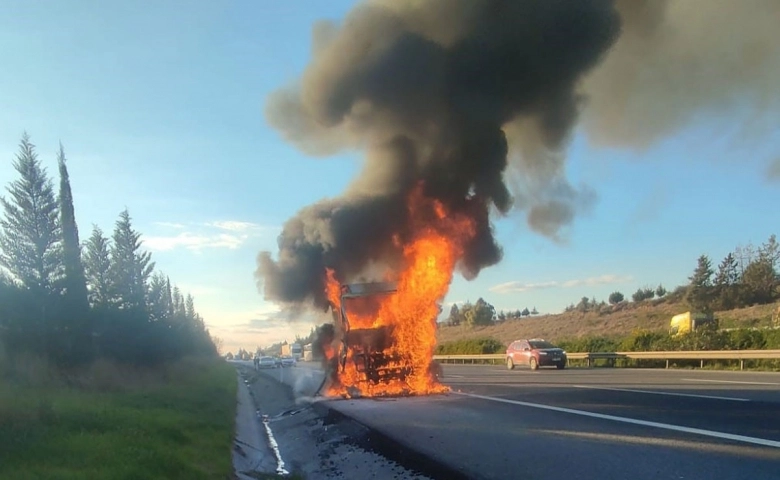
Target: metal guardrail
x,y
590,357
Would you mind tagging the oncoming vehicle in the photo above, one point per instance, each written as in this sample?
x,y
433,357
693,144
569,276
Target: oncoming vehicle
x,y
287,361
266,362
535,353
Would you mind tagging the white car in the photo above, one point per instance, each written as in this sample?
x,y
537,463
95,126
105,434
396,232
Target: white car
x,y
288,361
266,362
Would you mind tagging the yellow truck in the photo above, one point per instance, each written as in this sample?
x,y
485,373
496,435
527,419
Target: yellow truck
x,y
688,322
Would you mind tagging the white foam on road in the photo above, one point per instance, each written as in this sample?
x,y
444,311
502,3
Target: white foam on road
x,y
634,421
280,467
728,381
673,394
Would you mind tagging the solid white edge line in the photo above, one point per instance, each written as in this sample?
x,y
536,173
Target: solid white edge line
x,y
645,423
673,394
727,381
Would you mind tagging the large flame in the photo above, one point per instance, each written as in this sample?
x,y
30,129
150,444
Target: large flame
x,y
429,258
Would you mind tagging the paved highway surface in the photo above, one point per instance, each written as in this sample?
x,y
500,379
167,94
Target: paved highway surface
x,y
587,423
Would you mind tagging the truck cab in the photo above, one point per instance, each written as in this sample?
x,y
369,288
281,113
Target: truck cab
x,y
688,322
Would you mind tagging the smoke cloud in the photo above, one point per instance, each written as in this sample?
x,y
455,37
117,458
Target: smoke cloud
x,y
478,99
678,62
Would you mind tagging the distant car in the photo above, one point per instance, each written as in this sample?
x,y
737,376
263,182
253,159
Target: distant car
x,y
535,353
266,362
288,361
277,361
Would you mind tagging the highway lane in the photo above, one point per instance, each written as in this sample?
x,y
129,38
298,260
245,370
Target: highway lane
x,y
549,422
728,402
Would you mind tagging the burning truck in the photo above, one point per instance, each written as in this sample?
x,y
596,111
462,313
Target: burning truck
x,y
369,360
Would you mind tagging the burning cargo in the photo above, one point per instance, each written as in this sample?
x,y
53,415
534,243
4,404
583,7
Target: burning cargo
x,y
368,360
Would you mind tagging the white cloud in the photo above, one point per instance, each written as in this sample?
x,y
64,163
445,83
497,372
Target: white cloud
x,y
236,226
177,226
194,242
228,234
519,287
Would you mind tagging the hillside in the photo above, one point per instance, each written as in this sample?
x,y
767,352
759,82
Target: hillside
x,y
620,321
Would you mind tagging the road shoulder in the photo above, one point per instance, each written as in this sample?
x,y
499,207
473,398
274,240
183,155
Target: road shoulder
x,y
311,441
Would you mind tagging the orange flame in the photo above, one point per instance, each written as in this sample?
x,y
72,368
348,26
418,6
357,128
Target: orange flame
x,y
430,257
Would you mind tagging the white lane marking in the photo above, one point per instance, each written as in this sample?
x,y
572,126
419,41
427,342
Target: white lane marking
x,y
674,394
645,423
728,381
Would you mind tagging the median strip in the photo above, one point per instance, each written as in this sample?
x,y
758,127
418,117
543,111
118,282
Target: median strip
x,y
645,423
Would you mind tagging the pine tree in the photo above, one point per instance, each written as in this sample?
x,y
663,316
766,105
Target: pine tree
x,y
97,269
158,298
728,271
700,289
74,282
726,283
189,308
131,266
178,302
169,297
30,246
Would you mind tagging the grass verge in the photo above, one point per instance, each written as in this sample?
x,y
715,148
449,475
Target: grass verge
x,y
177,423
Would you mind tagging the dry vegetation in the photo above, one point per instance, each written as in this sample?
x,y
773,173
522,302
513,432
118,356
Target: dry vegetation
x,y
620,321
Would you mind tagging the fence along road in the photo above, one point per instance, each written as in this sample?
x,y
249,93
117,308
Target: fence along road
x,y
590,357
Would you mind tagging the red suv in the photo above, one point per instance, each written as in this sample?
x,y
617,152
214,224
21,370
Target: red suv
x,y
535,353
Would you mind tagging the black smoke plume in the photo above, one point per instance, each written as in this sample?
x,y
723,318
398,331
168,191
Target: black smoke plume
x,y
426,89
479,98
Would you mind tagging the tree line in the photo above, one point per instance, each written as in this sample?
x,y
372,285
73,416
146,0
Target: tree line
x,y
72,302
746,276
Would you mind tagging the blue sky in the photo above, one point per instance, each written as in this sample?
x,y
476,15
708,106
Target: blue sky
x,y
160,108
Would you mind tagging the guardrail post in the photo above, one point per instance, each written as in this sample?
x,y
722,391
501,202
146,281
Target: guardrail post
x,y
701,363
667,363
741,364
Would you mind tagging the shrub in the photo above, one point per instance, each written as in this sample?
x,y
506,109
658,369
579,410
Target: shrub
x,y
590,344
645,341
474,346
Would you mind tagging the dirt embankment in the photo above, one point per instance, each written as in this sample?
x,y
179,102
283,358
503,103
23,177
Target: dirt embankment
x,y
613,322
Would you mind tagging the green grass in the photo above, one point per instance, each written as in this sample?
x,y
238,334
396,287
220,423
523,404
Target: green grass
x,y
176,424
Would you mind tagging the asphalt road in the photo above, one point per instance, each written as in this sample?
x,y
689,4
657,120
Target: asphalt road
x,y
585,423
